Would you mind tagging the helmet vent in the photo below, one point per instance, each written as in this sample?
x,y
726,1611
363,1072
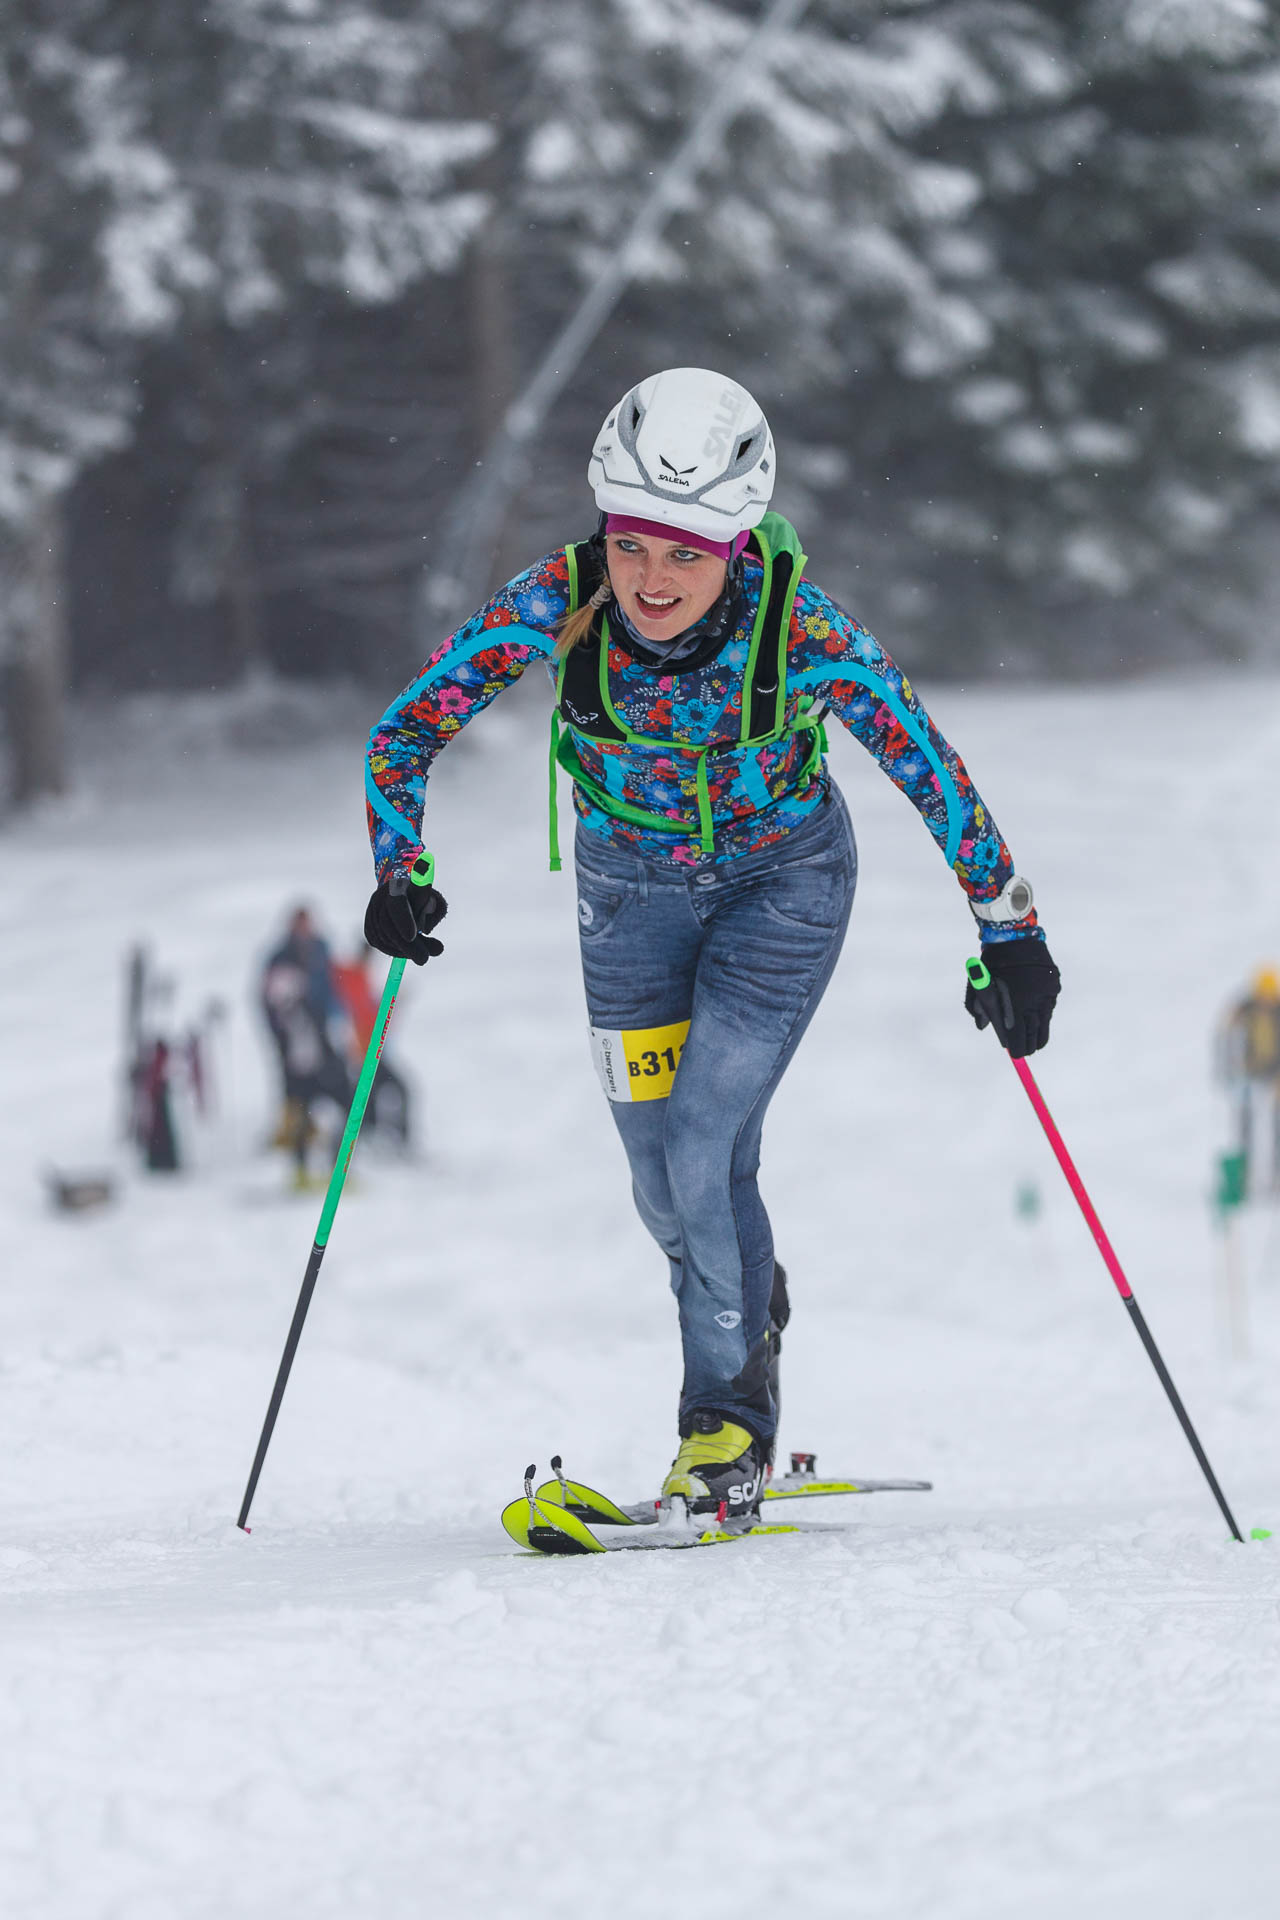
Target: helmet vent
x,y
744,446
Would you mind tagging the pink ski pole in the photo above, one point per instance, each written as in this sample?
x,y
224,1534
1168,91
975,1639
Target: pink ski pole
x,y
981,982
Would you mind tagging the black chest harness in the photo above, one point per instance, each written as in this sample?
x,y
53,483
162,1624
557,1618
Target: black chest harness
x,y
584,707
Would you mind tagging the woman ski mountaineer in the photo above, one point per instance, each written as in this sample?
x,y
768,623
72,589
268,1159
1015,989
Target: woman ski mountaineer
x,y
715,858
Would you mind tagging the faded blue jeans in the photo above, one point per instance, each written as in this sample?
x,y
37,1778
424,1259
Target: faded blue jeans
x,y
743,950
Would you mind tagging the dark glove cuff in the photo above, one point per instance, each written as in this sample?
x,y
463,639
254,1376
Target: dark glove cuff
x,y
1029,950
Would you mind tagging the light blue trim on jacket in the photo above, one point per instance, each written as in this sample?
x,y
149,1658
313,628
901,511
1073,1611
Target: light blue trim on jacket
x,y
517,634
753,780
614,772
383,808
487,637
845,670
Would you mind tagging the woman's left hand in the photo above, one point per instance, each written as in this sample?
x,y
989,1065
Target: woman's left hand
x,y
1019,1002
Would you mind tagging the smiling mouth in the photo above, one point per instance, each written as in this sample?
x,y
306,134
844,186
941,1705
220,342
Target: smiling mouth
x,y
655,605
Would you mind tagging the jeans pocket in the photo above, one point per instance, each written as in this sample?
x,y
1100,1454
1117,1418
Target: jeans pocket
x,y
813,898
600,901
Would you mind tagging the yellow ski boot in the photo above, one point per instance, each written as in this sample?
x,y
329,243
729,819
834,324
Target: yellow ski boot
x,y
720,1470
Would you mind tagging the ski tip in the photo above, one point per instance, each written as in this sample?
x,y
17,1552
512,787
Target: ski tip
x,y
556,1463
530,1470
243,1528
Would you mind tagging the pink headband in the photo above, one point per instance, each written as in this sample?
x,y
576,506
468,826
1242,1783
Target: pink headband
x,y
723,549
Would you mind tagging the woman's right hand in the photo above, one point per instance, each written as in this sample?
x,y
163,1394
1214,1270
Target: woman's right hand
x,y
400,918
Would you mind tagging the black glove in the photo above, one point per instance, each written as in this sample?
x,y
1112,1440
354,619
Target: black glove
x,y
1019,1002
399,919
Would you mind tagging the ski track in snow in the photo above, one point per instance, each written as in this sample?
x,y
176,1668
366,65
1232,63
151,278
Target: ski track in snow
x,y
1052,1681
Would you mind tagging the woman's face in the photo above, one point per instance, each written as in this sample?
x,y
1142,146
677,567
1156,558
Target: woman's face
x,y
662,586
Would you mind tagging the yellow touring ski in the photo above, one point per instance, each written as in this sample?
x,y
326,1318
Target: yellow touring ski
x,y
560,1516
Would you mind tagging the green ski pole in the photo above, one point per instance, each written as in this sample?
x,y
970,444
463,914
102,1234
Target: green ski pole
x,y
422,874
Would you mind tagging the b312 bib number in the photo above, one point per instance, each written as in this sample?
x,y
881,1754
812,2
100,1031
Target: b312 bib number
x,y
638,1063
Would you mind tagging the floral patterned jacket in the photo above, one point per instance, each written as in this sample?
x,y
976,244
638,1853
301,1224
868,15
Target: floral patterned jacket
x,y
757,796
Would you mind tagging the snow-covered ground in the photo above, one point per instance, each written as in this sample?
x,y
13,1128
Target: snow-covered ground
x,y
1051,1684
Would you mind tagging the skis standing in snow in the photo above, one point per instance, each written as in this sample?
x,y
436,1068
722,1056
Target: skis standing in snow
x,y
155,1065
715,858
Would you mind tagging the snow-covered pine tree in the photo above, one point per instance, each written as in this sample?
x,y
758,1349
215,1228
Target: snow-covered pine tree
x,y
1074,488
856,284
828,253
96,251
207,162
956,246
800,231
1020,256
325,170
816,252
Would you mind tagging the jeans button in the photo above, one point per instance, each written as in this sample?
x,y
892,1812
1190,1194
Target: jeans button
x,y
704,879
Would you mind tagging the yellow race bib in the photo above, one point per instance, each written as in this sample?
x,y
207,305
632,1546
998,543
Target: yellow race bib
x,y
638,1063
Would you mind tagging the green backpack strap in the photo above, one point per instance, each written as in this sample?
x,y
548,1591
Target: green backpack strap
x,y
764,705
553,798
578,558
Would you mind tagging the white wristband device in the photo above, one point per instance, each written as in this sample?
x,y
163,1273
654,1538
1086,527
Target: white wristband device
x,y
1013,902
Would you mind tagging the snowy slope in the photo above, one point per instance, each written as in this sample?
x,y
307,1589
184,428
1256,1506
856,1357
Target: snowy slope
x,y
1053,1679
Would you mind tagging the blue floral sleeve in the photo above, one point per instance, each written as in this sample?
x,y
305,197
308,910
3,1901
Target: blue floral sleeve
x,y
838,661
466,671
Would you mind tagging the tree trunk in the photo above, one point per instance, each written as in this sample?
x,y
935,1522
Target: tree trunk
x,y
491,371
244,594
35,614
233,558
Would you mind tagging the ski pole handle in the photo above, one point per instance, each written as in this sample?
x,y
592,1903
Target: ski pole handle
x,y
421,874
984,990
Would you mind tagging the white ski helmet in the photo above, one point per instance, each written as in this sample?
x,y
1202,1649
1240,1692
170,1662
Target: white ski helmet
x,y
689,448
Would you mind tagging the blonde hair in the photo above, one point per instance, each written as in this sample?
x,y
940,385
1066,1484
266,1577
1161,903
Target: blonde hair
x,y
575,627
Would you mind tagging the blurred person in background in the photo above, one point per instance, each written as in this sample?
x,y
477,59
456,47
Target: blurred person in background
x,y
715,858
1249,1067
303,1008
388,1111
